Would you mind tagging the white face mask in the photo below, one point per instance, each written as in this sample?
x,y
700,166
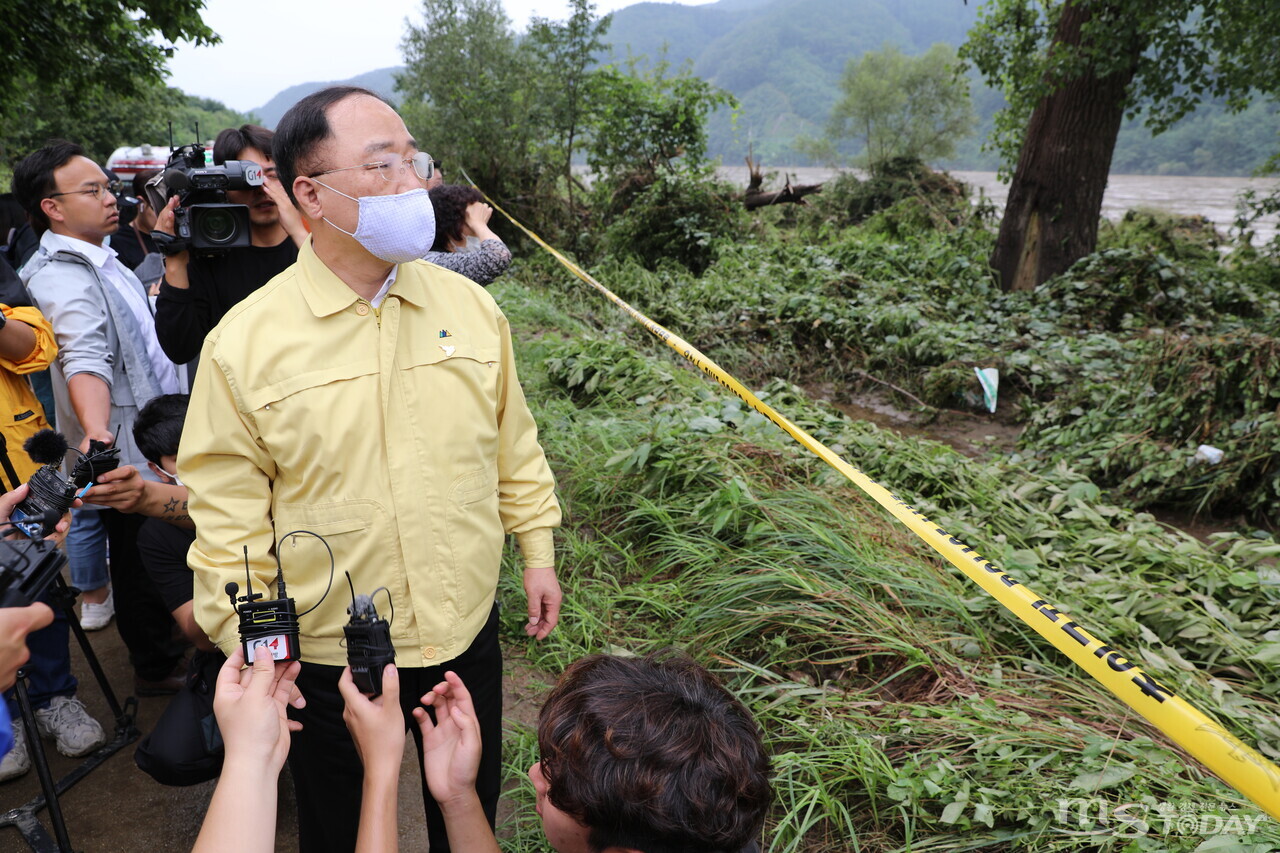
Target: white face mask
x,y
396,228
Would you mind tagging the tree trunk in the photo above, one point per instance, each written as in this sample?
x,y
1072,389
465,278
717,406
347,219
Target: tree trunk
x,y
755,197
1051,217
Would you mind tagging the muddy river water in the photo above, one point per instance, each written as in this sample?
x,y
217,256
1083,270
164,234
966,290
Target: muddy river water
x,y
1213,198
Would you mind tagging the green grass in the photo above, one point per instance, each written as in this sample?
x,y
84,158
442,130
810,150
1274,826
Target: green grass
x,y
905,710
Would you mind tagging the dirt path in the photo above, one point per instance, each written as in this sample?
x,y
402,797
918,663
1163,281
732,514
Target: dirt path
x,y
119,809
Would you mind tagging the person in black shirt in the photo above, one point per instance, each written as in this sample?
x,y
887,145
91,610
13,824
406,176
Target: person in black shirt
x,y
184,747
197,292
133,242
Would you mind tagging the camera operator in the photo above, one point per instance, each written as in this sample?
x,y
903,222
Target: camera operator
x,y
197,291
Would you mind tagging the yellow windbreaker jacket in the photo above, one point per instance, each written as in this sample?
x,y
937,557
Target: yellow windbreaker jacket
x,y
22,416
398,434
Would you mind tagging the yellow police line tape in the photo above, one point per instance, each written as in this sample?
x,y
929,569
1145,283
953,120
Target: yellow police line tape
x,y
1236,763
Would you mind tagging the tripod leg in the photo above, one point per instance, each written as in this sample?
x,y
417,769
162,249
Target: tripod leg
x,y
38,758
65,597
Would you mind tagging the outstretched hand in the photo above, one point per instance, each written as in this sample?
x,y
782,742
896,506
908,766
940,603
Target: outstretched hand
x,y
377,725
9,500
451,744
250,707
290,218
121,488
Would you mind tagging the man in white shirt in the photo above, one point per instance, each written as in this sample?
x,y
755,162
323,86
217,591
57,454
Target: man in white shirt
x,y
109,366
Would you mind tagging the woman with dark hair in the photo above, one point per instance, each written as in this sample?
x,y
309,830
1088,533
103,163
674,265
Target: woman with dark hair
x,y
464,242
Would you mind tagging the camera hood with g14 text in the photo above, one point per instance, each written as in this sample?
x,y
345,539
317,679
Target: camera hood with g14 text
x,y
204,223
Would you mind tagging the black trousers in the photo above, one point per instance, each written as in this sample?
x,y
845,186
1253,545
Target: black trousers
x,y
327,774
144,622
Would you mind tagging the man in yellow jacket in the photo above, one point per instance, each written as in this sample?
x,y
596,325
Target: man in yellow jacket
x,y
371,399
27,345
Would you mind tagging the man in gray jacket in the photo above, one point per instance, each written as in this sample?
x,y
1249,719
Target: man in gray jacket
x,y
109,365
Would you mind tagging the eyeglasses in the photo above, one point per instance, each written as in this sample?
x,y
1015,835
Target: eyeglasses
x,y
423,167
95,190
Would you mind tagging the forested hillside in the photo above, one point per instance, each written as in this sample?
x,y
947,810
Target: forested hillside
x,y
782,59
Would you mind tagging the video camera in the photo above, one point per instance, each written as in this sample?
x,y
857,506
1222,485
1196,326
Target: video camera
x,y
203,223
27,568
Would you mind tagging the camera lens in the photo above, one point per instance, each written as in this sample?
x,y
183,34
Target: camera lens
x,y
218,226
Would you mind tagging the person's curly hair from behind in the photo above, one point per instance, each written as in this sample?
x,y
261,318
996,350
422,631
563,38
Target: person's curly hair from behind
x,y
654,754
450,202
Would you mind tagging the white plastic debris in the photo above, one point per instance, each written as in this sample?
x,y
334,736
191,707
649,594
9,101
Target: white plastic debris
x,y
1208,454
989,379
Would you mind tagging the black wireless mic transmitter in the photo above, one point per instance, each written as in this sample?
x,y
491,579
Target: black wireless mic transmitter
x,y
270,626
369,647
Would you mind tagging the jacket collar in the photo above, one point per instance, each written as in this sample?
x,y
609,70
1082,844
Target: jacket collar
x,y
327,294
96,253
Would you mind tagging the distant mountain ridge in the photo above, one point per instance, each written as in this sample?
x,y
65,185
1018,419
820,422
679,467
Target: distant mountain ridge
x,y
783,59
381,81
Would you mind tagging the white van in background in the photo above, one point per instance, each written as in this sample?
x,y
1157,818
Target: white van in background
x,y
127,162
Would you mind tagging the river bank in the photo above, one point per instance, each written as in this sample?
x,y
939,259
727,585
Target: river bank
x,y
1213,198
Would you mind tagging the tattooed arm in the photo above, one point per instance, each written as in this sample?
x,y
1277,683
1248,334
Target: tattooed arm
x,y
125,489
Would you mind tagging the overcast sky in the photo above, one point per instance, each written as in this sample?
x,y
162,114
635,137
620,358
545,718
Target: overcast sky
x,y
273,44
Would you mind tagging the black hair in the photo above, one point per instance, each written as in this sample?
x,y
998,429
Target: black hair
x,y
11,216
303,128
33,178
140,183
653,754
231,142
450,202
158,427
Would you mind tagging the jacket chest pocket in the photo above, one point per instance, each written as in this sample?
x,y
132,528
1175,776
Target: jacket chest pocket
x,y
443,352
313,420
456,383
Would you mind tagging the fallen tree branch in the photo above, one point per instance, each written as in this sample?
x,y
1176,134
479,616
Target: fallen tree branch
x,y
787,195
754,197
904,393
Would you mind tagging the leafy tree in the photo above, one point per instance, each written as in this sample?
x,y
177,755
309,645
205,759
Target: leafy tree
x,y
1071,70
515,112
566,53
648,123
81,54
900,106
102,122
468,95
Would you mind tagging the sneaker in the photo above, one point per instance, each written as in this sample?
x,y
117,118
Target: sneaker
x,y
18,761
95,617
68,722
